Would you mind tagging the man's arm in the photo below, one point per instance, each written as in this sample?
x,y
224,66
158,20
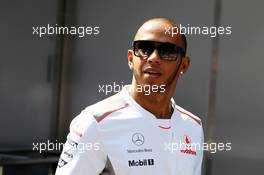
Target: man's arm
x,y
83,152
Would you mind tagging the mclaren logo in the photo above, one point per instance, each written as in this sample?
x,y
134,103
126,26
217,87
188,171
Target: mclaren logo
x,y
144,162
188,149
138,139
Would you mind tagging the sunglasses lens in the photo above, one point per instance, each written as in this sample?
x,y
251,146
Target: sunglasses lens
x,y
143,48
168,51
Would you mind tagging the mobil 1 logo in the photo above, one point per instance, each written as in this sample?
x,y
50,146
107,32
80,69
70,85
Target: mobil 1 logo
x,y
140,163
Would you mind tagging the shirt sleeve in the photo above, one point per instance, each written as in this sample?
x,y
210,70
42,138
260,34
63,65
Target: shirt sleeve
x,y
198,166
83,151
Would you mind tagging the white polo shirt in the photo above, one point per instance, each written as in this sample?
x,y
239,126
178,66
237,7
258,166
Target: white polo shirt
x,y
117,136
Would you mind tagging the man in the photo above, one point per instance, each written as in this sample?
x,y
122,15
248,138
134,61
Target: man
x,y
140,130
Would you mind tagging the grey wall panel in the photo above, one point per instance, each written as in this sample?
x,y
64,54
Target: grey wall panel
x,y
240,89
25,94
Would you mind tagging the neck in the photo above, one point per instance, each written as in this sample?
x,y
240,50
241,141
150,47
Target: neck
x,y
158,103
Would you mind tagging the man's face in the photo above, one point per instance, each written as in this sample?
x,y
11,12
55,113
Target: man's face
x,y
152,70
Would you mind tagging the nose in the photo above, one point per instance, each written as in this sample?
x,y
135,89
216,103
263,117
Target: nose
x,y
154,57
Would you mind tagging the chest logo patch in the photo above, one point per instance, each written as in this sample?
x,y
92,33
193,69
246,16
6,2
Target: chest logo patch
x,y
138,139
188,146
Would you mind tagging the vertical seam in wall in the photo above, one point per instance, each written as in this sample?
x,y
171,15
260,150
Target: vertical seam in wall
x,y
211,114
61,10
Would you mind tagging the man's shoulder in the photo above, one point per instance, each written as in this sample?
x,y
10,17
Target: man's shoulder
x,y
104,108
188,116
93,114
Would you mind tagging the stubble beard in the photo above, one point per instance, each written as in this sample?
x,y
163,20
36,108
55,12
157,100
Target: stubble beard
x,y
168,83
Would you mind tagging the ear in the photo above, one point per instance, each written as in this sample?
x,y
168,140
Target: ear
x,y
130,58
185,64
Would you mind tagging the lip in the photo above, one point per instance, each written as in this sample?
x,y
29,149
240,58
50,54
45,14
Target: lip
x,y
153,72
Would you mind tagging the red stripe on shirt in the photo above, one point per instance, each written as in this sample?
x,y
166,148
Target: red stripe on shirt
x,y
112,112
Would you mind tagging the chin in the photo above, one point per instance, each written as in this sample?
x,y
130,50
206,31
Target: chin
x,y
151,82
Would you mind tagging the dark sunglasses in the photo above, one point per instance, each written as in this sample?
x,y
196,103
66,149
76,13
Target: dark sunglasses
x,y
167,51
